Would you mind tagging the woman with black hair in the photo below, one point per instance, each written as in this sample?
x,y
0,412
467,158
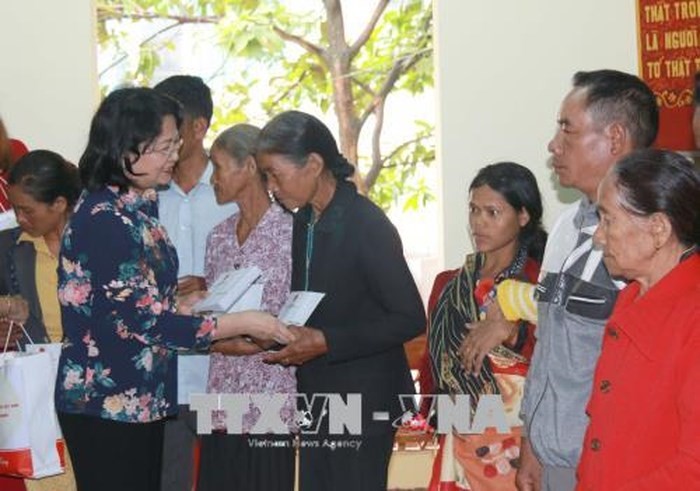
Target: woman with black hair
x,y
505,212
117,286
43,188
344,246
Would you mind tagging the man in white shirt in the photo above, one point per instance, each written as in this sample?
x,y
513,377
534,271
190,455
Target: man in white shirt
x,y
188,211
188,208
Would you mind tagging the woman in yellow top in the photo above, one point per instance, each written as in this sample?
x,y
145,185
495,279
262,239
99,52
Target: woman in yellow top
x,y
43,188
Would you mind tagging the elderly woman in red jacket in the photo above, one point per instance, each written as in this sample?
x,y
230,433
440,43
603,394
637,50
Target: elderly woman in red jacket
x,y
644,430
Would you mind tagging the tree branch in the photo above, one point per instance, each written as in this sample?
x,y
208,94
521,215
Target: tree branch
x,y
300,41
104,13
401,66
141,44
401,146
335,27
366,88
376,168
289,89
369,28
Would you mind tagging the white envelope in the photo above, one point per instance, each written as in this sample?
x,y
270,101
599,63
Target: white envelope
x,y
227,289
299,307
250,300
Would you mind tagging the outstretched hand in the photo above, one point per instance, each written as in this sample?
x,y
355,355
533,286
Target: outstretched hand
x,y
267,327
238,346
309,343
185,301
255,324
189,284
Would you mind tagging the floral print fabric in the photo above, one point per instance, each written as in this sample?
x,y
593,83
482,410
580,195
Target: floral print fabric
x,y
117,281
269,248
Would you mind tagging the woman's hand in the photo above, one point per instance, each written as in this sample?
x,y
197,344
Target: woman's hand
x,y
483,336
186,301
191,284
265,344
309,343
238,346
15,335
529,476
14,308
253,323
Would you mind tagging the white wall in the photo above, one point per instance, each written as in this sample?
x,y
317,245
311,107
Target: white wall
x,y
48,78
503,67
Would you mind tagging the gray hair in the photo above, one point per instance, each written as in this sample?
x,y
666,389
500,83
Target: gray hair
x,y
238,141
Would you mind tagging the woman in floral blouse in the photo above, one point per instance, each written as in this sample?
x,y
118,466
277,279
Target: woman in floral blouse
x,y
260,234
117,288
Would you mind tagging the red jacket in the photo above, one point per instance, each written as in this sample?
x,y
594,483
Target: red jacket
x,y
644,432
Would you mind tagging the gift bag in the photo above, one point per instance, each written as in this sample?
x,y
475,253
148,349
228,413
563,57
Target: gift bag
x,y
31,445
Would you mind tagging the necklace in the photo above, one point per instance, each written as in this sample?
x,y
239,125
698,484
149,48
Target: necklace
x,y
309,251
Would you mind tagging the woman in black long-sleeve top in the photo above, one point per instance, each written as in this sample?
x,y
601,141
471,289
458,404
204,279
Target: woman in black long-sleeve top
x,y
343,246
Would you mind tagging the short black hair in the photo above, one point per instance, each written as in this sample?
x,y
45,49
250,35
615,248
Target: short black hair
x,y
617,96
191,92
46,176
126,121
697,89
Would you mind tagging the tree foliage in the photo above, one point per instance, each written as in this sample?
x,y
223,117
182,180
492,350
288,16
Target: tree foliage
x,y
298,58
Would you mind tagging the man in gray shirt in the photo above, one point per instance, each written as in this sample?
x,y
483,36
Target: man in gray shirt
x,y
606,115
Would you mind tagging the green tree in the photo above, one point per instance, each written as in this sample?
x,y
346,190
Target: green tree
x,y
306,58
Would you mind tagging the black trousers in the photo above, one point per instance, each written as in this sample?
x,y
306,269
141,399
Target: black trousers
x,y
344,463
246,463
179,441
113,456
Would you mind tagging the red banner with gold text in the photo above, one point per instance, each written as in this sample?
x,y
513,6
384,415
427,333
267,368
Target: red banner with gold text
x,y
669,56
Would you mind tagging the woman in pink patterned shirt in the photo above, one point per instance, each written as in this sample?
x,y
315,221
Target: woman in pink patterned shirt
x,y
260,234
